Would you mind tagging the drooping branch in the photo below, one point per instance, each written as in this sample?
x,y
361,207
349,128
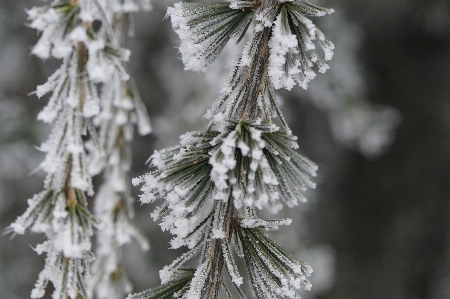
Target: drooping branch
x,y
214,181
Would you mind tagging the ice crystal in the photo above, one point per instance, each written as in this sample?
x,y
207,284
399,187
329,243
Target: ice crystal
x,y
294,38
204,29
267,158
273,272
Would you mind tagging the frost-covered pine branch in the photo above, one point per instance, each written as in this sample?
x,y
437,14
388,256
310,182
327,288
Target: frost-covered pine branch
x,y
60,210
214,182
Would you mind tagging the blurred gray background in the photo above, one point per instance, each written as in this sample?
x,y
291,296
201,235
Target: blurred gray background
x,y
378,224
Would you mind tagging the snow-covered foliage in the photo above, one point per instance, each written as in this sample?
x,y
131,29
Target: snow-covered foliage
x,y
255,163
294,38
215,181
89,56
205,28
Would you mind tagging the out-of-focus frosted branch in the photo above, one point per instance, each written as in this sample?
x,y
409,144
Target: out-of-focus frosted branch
x,y
121,110
355,121
60,210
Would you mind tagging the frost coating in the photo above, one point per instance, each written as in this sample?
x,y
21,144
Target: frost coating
x,y
219,159
292,51
281,268
280,45
204,36
260,184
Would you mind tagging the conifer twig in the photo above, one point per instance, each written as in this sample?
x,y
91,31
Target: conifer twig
x,y
215,180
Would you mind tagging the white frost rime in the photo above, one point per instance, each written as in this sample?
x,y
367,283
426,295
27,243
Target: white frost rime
x,y
293,52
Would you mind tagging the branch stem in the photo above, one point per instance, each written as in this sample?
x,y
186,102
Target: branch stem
x,y
213,250
256,74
